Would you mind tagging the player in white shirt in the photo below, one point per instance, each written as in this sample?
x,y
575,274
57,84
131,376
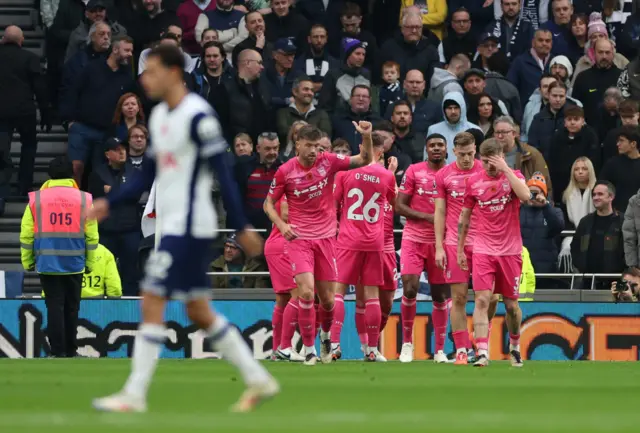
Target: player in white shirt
x,y
188,147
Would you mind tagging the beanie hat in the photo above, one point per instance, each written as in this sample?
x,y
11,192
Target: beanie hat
x,y
233,241
562,61
538,180
449,103
596,25
349,45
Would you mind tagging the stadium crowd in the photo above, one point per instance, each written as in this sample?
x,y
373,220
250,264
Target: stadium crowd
x,y
565,75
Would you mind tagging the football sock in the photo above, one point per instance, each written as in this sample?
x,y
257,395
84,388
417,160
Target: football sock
x,y
408,313
326,317
440,317
307,322
482,343
338,318
372,318
514,340
276,324
146,350
289,322
361,327
460,339
318,321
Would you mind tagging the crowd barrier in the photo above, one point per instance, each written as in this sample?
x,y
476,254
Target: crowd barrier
x,y
556,331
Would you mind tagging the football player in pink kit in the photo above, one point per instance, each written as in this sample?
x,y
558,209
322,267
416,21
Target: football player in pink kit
x,y
361,196
416,202
493,197
451,183
306,181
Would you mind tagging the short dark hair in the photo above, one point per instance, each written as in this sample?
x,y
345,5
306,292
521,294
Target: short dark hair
x,y
123,38
384,126
216,44
400,103
461,9
169,56
168,35
360,86
610,187
628,108
350,9
318,26
60,167
378,140
210,29
340,142
634,272
573,111
300,79
547,75
559,84
463,139
630,133
434,136
309,133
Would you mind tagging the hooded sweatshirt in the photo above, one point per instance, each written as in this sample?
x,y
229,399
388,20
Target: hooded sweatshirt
x,y
443,82
449,130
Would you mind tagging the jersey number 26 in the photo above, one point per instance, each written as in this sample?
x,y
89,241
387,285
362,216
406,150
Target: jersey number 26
x,y
371,210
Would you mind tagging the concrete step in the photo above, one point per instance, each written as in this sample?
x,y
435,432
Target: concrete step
x,y
25,18
44,147
8,239
53,136
13,265
17,4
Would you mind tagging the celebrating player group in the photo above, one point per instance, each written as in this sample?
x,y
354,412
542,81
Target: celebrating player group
x,y
462,223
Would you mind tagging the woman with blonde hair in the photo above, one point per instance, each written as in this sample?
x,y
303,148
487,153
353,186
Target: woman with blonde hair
x,y
576,203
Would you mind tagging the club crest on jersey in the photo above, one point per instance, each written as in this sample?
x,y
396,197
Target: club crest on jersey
x,y
505,186
340,156
322,171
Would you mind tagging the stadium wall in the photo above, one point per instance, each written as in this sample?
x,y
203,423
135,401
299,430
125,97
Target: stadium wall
x,y
550,331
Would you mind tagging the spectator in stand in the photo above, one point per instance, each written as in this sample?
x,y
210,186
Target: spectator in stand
x,y
573,140
627,43
481,13
424,112
631,232
149,25
359,110
386,131
244,102
541,224
285,22
279,74
578,40
391,90
474,84
597,32
256,39
234,260
461,40
514,32
338,83
550,119
608,117
289,150
172,36
316,61
254,175
188,13
536,12
301,108
410,49
597,245
93,102
559,27
242,145
561,69
407,140
454,109
95,12
591,84
120,233
340,146
445,80
351,27
629,81
486,111
628,114
21,80
207,79
623,171
127,114
97,47
520,156
224,16
137,139
527,69
487,47
500,88
433,14
577,202
48,11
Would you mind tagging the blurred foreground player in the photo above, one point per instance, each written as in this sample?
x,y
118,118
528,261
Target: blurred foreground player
x,y
416,202
188,148
307,181
362,196
451,183
493,198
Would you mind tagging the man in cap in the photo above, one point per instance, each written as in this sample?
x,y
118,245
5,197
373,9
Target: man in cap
x,y
488,45
280,74
234,260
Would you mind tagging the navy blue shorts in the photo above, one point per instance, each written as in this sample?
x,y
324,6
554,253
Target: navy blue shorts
x,y
178,269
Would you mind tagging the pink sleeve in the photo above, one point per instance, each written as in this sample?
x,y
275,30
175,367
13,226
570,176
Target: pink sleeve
x,y
440,192
391,190
338,188
338,162
469,199
276,190
520,176
406,187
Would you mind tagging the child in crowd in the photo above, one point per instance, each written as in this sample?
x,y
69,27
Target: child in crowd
x,y
392,91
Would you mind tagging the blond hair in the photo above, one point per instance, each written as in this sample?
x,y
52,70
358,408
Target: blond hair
x,y
573,185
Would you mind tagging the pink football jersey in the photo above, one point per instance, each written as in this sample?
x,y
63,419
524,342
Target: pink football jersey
x,y
364,193
498,211
419,182
308,191
451,184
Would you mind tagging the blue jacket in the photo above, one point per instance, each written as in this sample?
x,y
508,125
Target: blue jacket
x,y
279,87
532,108
561,37
425,114
544,125
224,20
343,127
525,74
520,41
540,226
72,71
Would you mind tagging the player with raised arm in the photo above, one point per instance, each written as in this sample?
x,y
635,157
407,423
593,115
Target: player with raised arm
x,y
189,148
307,182
416,202
451,183
362,195
493,197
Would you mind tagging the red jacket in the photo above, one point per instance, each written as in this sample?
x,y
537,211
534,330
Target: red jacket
x,y
188,13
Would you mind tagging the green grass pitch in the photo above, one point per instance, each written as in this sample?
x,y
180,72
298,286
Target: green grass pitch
x,y
54,395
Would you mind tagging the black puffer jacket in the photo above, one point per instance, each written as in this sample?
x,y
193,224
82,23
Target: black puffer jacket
x,y
421,56
540,226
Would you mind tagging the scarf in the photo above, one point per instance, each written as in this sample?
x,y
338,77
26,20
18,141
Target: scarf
x,y
579,205
497,32
530,12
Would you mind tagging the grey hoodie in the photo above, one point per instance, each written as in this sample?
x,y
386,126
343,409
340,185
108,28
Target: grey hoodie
x,y
442,82
449,130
